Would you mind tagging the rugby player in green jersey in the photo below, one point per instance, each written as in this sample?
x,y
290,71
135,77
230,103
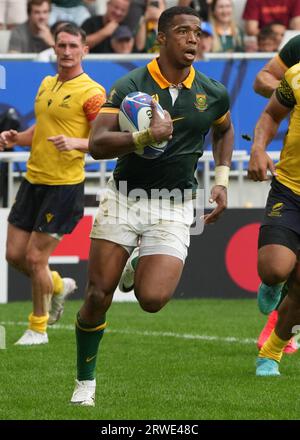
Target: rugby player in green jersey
x,y
193,104
271,292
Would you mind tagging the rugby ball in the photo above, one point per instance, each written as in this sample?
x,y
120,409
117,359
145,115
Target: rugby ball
x,y
135,115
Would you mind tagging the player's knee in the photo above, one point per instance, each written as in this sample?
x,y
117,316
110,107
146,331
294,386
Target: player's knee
x,y
33,260
152,305
151,300
95,295
13,258
271,274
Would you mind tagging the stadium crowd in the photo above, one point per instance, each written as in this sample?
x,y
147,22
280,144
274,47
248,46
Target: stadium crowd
x,y
130,26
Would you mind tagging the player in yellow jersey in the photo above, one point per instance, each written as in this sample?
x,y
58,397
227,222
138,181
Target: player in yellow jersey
x,y
279,237
266,81
50,200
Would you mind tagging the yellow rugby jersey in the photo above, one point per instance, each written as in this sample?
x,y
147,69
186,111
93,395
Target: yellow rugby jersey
x,y
62,108
288,94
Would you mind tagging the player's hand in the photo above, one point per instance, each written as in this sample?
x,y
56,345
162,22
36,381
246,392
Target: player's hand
x,y
218,195
259,163
8,139
161,129
152,13
63,143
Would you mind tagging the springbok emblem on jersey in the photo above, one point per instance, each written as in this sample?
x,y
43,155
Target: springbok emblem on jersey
x,y
201,102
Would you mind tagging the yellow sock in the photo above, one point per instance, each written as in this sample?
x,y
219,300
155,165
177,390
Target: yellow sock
x,y
273,347
57,283
38,323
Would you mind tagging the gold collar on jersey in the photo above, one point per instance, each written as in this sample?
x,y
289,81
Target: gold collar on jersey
x,y
158,77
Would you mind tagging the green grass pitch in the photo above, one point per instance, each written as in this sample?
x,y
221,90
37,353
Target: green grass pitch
x,y
193,360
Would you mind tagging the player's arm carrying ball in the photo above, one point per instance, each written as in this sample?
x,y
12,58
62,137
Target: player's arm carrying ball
x,y
222,139
107,141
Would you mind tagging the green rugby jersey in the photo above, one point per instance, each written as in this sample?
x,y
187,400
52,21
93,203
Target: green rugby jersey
x,y
290,53
201,102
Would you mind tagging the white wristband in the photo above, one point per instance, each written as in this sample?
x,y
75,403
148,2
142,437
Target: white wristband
x,y
222,175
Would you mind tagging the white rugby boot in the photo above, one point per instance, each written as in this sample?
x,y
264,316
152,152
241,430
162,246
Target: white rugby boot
x,y
58,300
31,337
84,393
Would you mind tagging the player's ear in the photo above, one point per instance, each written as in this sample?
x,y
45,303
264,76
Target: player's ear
x,y
161,38
86,50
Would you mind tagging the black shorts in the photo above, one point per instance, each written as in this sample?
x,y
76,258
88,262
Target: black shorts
x,y
281,222
53,209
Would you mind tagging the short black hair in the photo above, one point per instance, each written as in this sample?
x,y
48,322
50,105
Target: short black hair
x,y
167,16
72,29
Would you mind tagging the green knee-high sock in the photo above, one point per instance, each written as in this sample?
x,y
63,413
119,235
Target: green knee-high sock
x,y
88,338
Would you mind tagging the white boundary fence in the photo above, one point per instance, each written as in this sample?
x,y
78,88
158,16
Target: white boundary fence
x,y
97,179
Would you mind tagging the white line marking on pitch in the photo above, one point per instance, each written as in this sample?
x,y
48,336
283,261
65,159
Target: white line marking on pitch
x,y
229,339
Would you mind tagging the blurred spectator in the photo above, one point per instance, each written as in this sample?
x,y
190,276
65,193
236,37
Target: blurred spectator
x,y
266,40
250,43
279,30
201,6
207,36
136,10
49,54
206,43
228,37
145,40
68,10
259,13
34,35
12,12
91,6
100,28
122,40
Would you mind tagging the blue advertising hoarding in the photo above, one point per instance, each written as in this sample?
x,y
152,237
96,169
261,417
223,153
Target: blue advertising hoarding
x,y
23,79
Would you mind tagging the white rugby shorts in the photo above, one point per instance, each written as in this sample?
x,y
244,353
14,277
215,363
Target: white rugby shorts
x,y
157,227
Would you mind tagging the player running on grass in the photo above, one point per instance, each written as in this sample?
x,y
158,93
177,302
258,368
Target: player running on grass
x,y
266,81
279,238
198,104
50,199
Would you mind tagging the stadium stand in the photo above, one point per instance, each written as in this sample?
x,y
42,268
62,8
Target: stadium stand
x,y
238,6
4,40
